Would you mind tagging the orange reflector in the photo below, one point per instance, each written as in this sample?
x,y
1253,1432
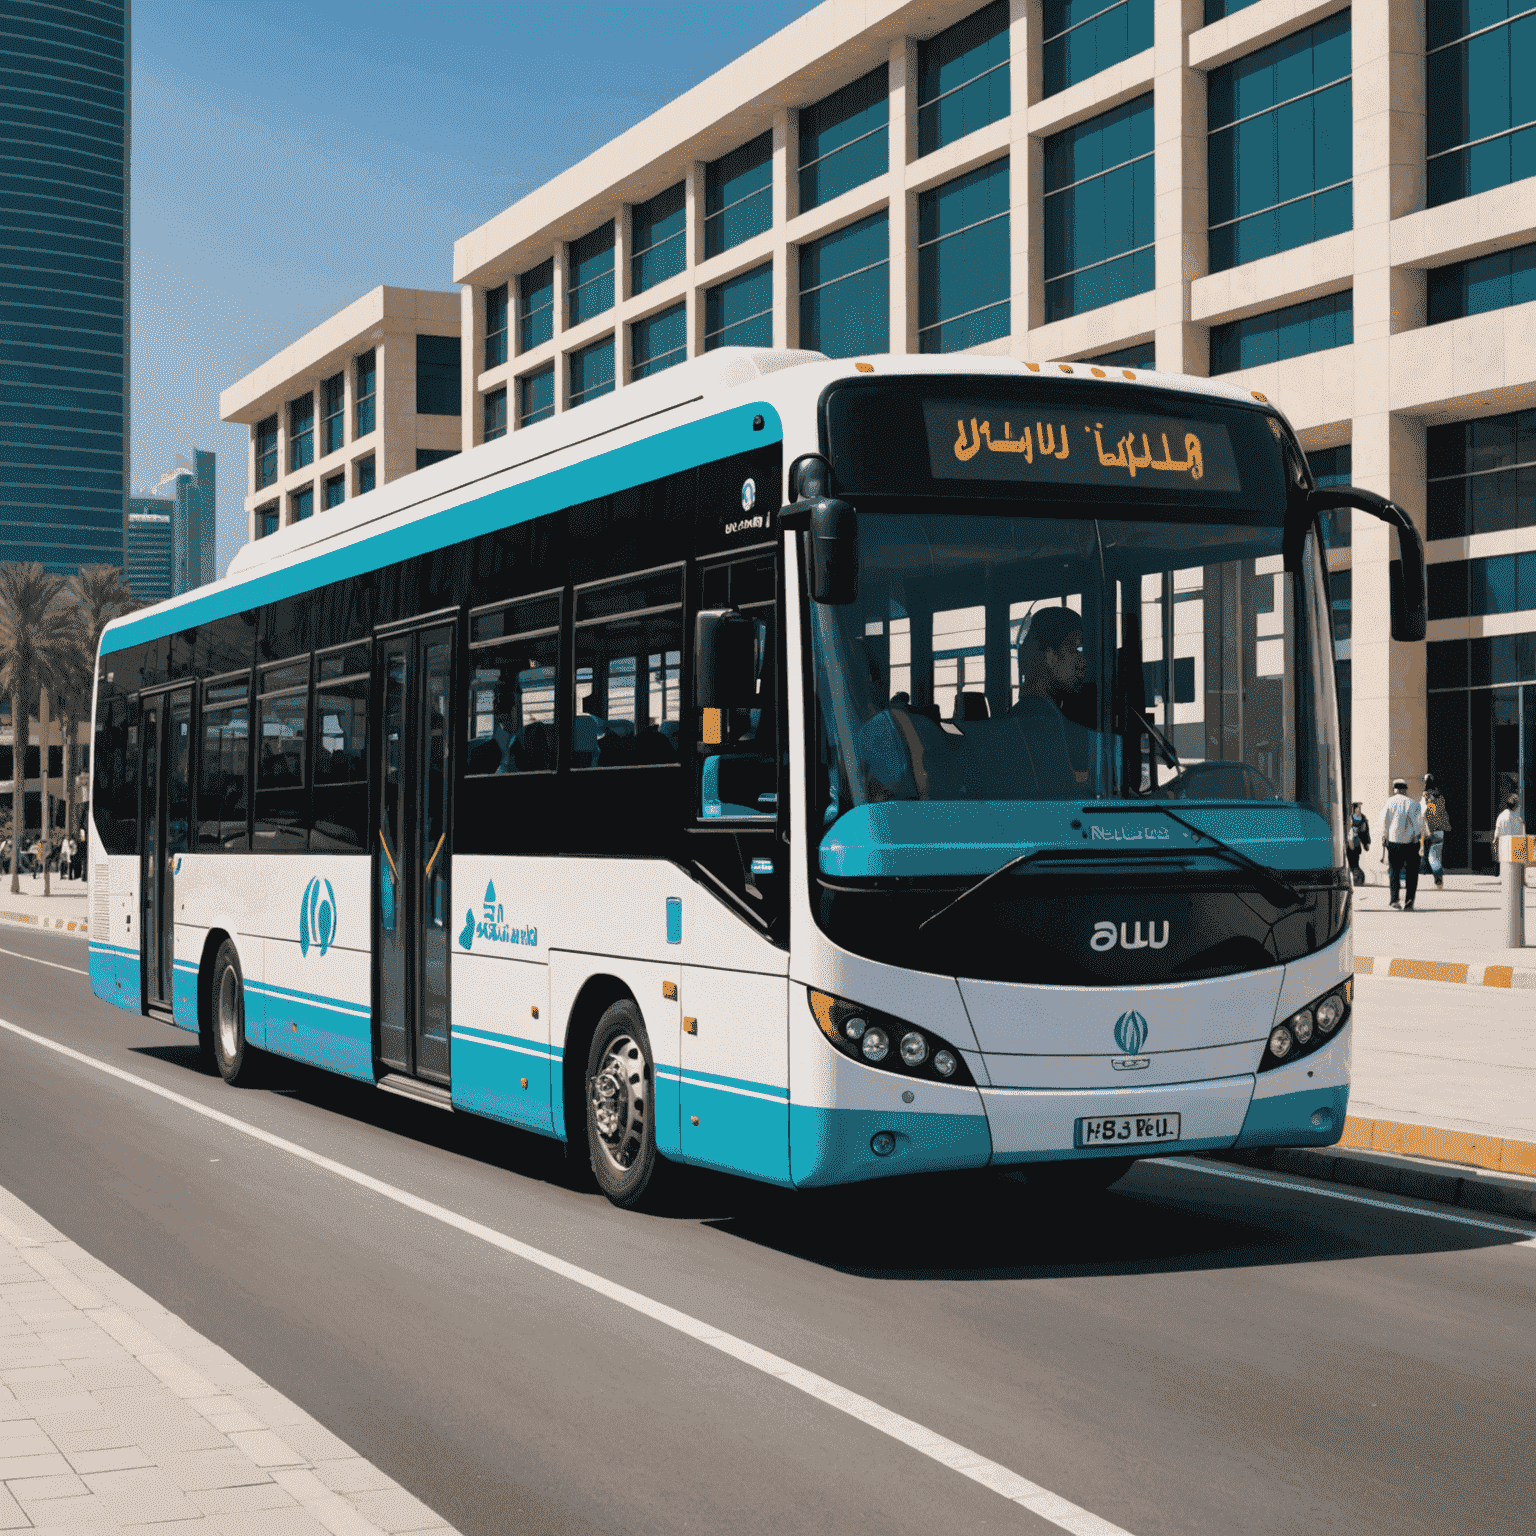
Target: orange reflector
x,y
1033,367
1127,372
1098,373
1260,398
1065,367
865,367
669,990
714,727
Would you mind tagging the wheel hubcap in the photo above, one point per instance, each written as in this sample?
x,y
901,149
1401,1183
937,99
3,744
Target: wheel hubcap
x,y
229,1013
617,1095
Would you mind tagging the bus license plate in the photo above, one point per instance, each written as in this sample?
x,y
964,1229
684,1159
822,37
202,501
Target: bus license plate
x,y
1126,1130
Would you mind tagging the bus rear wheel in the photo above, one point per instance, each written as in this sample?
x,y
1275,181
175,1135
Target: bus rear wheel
x,y
620,1113
231,1054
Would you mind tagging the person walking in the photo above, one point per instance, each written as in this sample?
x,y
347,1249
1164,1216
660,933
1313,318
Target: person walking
x,y
1359,841
67,859
1509,824
1402,828
1436,824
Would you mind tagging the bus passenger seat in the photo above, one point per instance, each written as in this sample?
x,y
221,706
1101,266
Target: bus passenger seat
x,y
971,706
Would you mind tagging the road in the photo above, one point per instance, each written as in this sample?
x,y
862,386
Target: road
x,y
1192,1351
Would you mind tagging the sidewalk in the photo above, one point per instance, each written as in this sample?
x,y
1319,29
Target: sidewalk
x,y
1455,933
66,907
115,1416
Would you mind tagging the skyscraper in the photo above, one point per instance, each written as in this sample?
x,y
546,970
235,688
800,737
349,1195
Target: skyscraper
x,y
193,527
147,547
64,157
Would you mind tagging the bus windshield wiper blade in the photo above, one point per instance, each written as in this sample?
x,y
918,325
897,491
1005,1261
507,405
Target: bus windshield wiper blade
x,y
1225,850
1170,755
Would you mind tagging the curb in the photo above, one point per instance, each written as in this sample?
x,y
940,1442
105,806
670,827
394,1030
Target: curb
x,y
1445,970
1492,1154
52,924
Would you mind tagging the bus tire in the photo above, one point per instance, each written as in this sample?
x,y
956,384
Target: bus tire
x,y
231,1054
620,1112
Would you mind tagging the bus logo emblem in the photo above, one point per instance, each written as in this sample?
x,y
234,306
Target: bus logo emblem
x,y
748,495
317,917
1130,1032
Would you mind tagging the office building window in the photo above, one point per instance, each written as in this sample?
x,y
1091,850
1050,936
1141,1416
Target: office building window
x,y
536,306
301,432
495,326
962,78
1314,326
301,504
333,392
1460,589
536,396
437,376
1081,37
366,384
1331,466
592,371
1281,146
266,453
1219,10
845,290
426,456
659,239
739,311
1098,211
365,476
334,491
266,520
843,139
1482,475
1486,282
1480,95
963,261
738,195
1143,354
658,342
591,275
495,414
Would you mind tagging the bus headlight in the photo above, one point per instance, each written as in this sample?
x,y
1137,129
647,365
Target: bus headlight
x,y
882,1041
1308,1029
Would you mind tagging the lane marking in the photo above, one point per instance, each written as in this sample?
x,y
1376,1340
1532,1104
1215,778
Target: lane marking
x,y
989,1474
74,970
1302,1183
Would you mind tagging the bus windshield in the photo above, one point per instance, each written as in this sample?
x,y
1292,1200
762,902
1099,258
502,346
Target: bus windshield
x,y
1011,680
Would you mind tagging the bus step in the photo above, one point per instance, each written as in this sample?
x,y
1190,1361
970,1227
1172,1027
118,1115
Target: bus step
x,y
415,1088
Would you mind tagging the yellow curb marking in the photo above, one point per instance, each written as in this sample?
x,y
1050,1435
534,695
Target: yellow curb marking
x,y
1496,1154
1506,976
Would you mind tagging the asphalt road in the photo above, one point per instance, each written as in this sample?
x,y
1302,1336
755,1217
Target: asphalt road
x,y
1186,1353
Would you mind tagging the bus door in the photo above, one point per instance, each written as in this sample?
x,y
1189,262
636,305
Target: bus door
x,y
165,814
412,853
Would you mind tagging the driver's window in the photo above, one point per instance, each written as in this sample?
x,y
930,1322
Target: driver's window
x,y
738,753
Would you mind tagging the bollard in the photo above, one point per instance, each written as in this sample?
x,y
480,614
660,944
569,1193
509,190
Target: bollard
x,y
1514,904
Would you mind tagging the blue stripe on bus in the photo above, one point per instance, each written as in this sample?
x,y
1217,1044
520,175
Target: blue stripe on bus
x,y
115,976
327,1035
666,453
504,1081
514,1042
340,1005
688,1075
735,1133
116,949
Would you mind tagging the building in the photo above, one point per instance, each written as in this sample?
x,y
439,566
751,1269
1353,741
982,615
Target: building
x,y
372,394
148,555
64,162
192,530
1330,204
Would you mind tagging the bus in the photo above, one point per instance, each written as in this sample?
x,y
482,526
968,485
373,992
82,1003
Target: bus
x,y
811,770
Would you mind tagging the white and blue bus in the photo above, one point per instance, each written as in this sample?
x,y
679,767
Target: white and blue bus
x,y
810,770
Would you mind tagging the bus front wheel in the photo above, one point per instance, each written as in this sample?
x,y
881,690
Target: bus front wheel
x,y
231,1055
621,1126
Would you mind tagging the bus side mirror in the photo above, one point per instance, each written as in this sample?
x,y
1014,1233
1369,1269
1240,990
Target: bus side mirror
x,y
834,529
1410,604
725,645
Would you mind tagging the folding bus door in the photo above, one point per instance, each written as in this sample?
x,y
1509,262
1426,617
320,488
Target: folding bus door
x,y
165,817
412,853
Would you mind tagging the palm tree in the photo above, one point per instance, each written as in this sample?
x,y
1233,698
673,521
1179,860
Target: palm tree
x,y
33,628
95,596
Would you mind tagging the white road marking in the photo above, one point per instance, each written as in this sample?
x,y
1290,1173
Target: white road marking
x,y
1312,1188
990,1474
74,970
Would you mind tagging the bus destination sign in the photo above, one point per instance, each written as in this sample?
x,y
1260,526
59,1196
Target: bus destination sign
x,y
977,441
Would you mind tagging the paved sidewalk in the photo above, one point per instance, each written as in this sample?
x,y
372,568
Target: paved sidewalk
x,y
115,1416
1454,933
66,907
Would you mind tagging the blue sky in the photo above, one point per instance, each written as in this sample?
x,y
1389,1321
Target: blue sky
x,y
286,159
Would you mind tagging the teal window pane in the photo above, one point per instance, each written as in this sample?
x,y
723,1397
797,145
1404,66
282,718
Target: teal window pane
x,y
1142,355
427,456
335,491
843,141
658,342
1482,475
536,306
301,432
437,376
591,275
657,229
962,78
266,452
592,371
845,290
365,478
1480,78
1083,37
333,393
496,326
1296,330
266,520
303,505
738,195
536,396
366,382
739,312
963,261
1219,10
495,419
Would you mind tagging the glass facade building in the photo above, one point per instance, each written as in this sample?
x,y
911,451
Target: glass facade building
x,y
843,139
64,109
1474,287
592,371
147,548
591,276
1083,37
739,312
962,261
963,78
738,195
845,290
657,239
1293,331
659,341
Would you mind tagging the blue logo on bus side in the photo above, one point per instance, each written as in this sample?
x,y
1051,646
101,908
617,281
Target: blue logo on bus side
x,y
1130,1032
317,917
492,924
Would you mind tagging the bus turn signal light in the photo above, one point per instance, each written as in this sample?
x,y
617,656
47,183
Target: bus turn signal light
x,y
890,1044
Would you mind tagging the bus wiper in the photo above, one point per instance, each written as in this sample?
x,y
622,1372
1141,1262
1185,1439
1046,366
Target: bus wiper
x,y
1170,755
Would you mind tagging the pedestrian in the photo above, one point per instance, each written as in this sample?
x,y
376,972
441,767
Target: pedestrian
x,y
80,857
1436,824
67,859
1402,828
1359,841
1509,824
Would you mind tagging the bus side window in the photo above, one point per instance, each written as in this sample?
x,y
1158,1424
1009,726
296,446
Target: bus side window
x,y
340,822
740,782
223,788
282,715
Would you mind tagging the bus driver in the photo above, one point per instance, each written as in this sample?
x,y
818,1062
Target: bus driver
x,y
1051,668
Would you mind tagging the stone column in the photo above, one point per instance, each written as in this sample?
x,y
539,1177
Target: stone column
x,y
559,317
786,204
623,244
902,207
1179,176
1025,176
471,362
252,474
693,246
